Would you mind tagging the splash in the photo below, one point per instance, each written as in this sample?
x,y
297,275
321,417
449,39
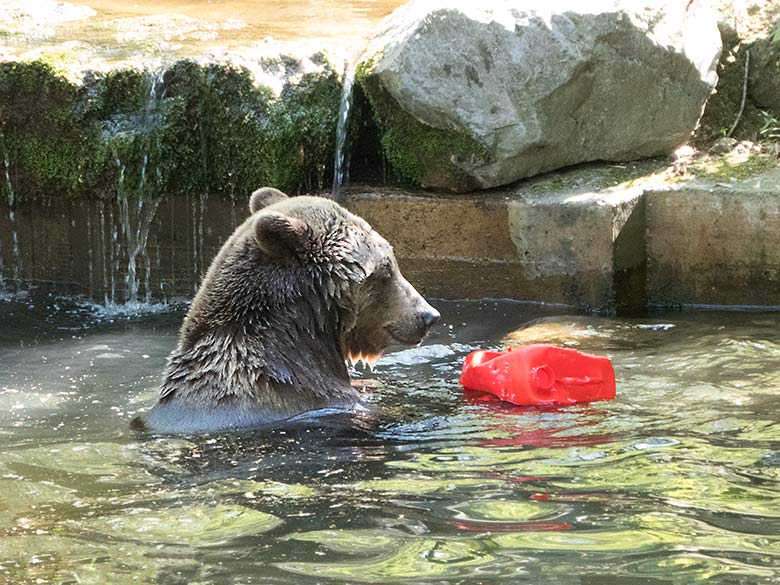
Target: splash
x,y
110,311
136,227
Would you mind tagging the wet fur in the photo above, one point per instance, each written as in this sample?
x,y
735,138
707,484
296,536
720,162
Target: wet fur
x,y
300,287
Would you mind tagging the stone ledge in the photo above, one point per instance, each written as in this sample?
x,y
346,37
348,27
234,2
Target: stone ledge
x,y
548,247
715,244
623,247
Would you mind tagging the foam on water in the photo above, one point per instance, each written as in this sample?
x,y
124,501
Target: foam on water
x,y
108,311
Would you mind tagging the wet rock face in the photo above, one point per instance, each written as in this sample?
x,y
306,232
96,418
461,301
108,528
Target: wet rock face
x,y
476,95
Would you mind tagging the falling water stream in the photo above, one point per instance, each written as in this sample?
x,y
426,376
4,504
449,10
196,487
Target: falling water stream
x,y
137,210
11,198
341,162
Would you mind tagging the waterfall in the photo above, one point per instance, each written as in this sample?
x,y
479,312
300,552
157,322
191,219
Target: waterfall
x,y
104,267
136,211
147,200
9,189
200,264
340,165
135,240
116,245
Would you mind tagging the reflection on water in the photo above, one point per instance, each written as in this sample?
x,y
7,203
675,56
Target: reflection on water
x,y
676,481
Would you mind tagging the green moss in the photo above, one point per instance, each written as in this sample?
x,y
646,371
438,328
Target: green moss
x,y
121,92
44,135
417,152
212,130
302,133
724,169
195,130
597,176
58,59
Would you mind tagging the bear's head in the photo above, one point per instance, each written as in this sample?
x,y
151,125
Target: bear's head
x,y
351,269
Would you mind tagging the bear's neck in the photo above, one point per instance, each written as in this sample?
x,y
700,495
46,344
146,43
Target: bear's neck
x,y
301,352
284,357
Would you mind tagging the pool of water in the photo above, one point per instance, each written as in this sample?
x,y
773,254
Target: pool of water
x,y
676,481
280,19
84,33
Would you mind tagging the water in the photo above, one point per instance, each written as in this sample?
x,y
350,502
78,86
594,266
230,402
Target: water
x,y
11,199
137,210
256,19
340,165
676,481
115,31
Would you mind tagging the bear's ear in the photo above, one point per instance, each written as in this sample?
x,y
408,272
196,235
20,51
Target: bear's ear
x,y
281,236
265,197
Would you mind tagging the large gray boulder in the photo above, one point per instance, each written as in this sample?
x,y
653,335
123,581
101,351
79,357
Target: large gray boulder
x,y
480,94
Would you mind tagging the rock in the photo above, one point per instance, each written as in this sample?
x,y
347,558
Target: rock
x,y
476,95
723,145
747,27
764,86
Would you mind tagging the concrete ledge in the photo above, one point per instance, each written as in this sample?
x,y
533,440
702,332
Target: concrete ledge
x,y
715,244
624,247
558,248
448,246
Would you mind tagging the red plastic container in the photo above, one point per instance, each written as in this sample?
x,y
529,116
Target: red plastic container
x,y
540,374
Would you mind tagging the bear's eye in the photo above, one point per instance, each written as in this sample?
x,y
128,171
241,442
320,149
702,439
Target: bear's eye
x,y
383,272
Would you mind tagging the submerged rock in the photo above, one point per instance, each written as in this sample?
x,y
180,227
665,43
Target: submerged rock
x,y
476,95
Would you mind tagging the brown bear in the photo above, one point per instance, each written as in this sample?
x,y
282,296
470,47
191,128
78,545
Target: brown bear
x,y
302,286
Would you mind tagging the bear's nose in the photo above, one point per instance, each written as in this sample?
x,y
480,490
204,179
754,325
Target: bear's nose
x,y
430,316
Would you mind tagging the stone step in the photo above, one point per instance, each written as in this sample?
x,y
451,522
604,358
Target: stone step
x,y
626,247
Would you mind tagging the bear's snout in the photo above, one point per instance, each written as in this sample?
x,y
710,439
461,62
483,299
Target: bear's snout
x,y
429,317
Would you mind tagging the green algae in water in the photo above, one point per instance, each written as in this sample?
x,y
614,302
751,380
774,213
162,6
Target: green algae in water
x,y
196,525
20,498
102,463
418,559
507,511
352,541
424,485
57,559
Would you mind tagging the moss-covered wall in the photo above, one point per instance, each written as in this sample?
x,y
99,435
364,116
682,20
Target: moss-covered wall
x,y
193,129
415,150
